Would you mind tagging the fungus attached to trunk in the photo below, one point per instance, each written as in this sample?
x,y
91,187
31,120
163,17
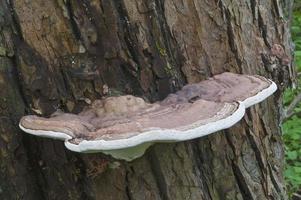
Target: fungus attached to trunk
x,y
125,126
228,87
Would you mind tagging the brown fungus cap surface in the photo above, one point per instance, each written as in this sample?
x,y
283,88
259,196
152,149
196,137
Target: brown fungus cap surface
x,y
196,110
225,87
121,117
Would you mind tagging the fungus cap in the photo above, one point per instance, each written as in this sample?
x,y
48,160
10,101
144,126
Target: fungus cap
x,y
228,87
126,126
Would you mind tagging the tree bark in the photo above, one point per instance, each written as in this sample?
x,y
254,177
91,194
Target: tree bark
x,y
60,54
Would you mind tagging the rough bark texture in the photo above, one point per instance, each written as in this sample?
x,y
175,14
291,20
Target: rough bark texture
x,y
59,54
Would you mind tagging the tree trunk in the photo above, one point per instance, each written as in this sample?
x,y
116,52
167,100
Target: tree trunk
x,y
61,54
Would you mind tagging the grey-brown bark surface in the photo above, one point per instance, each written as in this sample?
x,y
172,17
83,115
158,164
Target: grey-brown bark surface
x,y
61,54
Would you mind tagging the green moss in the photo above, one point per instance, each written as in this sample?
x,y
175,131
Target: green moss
x,y
161,50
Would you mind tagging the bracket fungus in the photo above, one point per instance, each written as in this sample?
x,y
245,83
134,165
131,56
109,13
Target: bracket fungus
x,y
125,126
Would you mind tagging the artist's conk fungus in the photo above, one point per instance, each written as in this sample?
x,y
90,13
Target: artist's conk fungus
x,y
125,126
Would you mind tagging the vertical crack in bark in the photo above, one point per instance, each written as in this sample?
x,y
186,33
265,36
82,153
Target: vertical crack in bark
x,y
231,39
159,177
125,23
17,37
266,171
66,84
18,82
257,151
263,29
275,162
82,182
274,181
242,184
33,158
160,14
15,20
198,159
246,192
253,8
74,28
276,8
232,146
258,155
127,189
